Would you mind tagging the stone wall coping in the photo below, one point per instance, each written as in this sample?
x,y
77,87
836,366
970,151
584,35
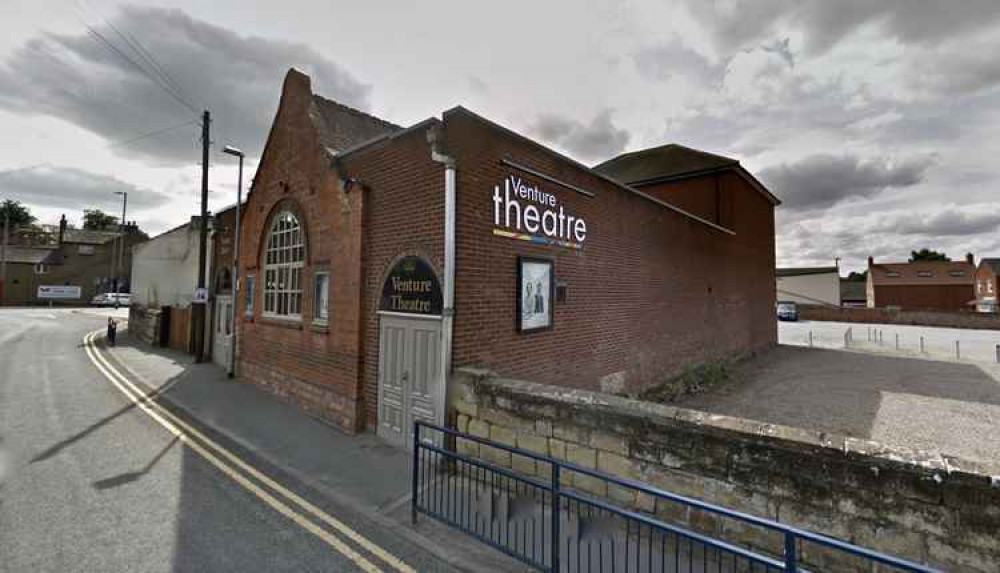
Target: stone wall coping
x,y
606,408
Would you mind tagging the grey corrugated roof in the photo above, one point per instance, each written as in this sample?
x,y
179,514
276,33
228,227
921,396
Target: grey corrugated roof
x,y
30,255
341,127
799,271
658,162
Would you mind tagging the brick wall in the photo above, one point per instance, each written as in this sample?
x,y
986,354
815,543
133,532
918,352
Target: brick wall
x,y
924,508
314,366
932,297
650,291
404,215
943,318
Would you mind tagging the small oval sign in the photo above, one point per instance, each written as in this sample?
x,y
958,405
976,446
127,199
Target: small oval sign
x,y
411,287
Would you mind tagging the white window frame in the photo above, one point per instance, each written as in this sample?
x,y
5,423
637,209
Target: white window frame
x,y
284,262
317,293
41,269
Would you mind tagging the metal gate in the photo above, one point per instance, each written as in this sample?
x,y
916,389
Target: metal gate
x,y
537,517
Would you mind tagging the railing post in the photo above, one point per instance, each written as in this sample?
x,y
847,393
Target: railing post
x,y
416,472
556,509
791,558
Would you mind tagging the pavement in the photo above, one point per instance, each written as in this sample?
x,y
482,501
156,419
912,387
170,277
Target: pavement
x,y
93,478
943,406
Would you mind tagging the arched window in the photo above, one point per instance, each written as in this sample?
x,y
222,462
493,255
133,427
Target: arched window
x,y
283,261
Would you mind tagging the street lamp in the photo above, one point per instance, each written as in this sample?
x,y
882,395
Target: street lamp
x,y
230,150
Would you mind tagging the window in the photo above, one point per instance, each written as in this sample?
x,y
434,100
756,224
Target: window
x,y
925,274
321,297
41,269
957,273
283,262
248,296
892,274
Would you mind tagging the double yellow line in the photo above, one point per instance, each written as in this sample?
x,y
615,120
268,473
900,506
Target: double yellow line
x,y
282,500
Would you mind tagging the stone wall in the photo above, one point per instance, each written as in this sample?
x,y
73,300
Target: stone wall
x,y
948,319
936,510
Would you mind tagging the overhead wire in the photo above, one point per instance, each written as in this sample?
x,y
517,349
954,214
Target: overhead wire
x,y
153,133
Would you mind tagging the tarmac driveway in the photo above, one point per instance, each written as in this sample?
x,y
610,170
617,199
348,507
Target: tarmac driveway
x,y
951,408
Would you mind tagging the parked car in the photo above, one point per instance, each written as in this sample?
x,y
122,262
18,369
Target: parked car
x,y
112,299
788,311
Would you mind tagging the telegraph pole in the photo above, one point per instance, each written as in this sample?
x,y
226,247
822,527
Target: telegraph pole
x,y
199,307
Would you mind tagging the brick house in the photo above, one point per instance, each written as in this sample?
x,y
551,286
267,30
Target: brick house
x,y
377,257
75,257
986,285
921,285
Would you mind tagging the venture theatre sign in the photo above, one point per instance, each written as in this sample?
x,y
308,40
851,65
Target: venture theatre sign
x,y
411,287
525,212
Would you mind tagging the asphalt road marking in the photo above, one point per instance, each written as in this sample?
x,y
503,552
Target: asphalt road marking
x,y
195,440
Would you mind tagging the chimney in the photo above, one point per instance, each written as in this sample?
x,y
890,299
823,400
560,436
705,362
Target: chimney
x,y
871,260
971,260
62,229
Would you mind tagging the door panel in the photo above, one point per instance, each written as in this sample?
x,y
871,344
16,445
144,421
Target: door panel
x,y
392,373
222,335
425,377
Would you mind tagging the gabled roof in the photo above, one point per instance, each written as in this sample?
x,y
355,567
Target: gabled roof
x,y
658,162
87,237
29,255
991,263
341,127
672,162
799,271
922,273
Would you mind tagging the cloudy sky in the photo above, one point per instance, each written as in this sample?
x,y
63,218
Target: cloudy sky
x,y
874,121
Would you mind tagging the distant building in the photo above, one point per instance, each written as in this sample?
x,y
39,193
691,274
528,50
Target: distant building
x,y
986,285
852,294
921,285
809,285
75,257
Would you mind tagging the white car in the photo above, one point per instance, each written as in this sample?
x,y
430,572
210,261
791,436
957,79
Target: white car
x,y
112,299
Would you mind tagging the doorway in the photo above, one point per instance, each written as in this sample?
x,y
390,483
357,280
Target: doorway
x,y
222,332
410,381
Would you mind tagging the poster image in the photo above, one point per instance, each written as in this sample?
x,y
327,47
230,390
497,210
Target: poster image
x,y
535,299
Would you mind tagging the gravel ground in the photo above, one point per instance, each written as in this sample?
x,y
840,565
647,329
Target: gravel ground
x,y
940,406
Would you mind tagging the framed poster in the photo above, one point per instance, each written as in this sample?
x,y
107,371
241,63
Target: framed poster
x,y
536,286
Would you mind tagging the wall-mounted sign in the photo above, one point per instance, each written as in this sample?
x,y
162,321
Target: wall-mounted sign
x,y
411,287
200,295
526,213
59,292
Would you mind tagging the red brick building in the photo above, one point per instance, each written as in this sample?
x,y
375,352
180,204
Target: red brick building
x,y
379,256
987,285
921,285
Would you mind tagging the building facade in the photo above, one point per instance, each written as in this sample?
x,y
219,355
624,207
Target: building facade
x,y
376,258
82,258
922,285
986,285
809,285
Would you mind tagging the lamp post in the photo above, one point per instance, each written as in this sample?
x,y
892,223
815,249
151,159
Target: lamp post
x,y
120,254
236,254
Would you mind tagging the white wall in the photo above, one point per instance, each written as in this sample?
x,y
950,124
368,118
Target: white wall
x,y
165,269
810,289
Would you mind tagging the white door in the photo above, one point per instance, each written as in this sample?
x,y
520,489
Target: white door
x,y
222,335
410,384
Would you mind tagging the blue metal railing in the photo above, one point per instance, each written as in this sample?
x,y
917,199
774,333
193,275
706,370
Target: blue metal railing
x,y
551,519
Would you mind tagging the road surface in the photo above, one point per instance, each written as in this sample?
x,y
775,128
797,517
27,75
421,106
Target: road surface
x,y
90,481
